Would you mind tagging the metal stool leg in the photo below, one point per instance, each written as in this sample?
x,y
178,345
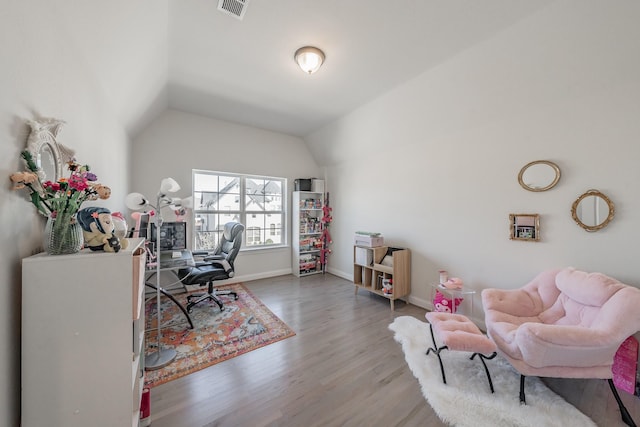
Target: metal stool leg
x,y
437,351
522,398
626,417
482,358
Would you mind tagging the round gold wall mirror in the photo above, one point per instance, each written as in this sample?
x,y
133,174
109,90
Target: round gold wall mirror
x,y
540,175
592,210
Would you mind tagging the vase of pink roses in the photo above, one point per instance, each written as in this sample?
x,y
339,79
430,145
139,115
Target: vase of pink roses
x,y
60,201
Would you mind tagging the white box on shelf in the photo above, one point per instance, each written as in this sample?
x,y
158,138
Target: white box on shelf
x,y
364,256
317,185
368,241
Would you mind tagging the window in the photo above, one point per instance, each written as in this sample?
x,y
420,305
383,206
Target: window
x,y
256,201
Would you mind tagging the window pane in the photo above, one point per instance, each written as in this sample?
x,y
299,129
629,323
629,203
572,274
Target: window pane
x,y
207,231
274,234
255,229
273,202
264,229
228,202
263,195
273,188
273,240
205,182
226,217
229,184
205,200
207,222
254,203
254,186
254,236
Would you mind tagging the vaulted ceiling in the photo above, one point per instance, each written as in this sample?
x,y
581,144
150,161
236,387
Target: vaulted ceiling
x,y
187,55
243,70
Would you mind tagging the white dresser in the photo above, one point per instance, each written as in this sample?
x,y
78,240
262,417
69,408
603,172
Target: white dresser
x,y
82,338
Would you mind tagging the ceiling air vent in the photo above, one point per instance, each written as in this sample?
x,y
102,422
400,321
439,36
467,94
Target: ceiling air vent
x,y
235,8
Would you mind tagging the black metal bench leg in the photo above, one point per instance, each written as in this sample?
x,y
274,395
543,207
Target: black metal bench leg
x,y
522,398
437,351
626,417
433,338
482,358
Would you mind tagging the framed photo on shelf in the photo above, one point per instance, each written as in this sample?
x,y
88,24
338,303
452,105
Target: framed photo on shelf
x,y
524,227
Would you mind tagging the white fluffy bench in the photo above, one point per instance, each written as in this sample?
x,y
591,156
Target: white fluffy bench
x,y
457,332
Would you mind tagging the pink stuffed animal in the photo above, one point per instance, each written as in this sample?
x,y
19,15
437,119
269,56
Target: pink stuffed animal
x,y
444,305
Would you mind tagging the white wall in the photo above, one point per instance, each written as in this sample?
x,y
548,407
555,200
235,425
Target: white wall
x,y
177,142
56,57
433,164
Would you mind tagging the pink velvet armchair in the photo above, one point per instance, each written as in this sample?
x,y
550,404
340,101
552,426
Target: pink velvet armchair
x,y
565,324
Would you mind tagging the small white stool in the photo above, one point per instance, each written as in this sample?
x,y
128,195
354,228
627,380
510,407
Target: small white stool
x,y
457,332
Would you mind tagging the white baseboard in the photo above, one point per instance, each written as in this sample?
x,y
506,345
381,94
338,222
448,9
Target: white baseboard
x,y
245,278
421,302
261,275
341,274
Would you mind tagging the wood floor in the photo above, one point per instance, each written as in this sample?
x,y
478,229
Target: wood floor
x,y
343,368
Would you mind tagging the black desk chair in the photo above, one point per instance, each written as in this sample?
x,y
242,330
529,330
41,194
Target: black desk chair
x,y
215,266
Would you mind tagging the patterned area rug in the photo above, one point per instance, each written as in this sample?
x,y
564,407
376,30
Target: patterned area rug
x,y
244,325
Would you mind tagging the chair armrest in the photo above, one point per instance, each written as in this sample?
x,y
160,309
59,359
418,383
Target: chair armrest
x,y
515,302
223,263
200,255
545,345
213,257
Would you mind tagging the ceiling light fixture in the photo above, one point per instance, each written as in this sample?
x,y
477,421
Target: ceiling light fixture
x,y
309,58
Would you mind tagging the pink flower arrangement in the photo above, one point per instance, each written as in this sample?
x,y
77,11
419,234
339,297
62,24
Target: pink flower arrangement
x,y
64,196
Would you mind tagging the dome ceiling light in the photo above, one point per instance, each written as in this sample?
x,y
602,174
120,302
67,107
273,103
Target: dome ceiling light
x,y
309,58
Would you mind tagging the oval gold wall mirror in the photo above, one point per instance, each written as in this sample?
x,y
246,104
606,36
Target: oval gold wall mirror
x,y
592,210
540,175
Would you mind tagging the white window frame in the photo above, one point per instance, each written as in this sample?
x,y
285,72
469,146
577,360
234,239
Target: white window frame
x,y
242,213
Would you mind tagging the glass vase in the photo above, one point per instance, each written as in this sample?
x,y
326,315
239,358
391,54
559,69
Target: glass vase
x,y
63,235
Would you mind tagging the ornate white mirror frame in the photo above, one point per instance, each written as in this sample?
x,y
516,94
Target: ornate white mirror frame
x,y
48,155
592,210
539,175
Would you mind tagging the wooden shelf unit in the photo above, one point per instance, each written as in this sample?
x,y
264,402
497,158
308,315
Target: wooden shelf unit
x,y
369,277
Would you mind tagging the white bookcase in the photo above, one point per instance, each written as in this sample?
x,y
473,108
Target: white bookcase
x,y
82,338
307,226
